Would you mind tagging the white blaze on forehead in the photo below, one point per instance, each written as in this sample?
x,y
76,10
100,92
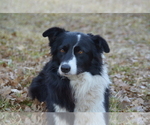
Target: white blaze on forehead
x,y
72,62
79,37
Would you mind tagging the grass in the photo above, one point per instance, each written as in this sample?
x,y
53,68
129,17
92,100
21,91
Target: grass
x,y
117,69
92,6
24,52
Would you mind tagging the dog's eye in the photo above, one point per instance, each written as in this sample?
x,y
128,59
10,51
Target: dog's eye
x,y
62,50
80,52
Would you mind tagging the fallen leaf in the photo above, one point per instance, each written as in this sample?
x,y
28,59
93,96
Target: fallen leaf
x,y
14,82
138,102
21,47
125,100
27,109
138,109
5,91
16,91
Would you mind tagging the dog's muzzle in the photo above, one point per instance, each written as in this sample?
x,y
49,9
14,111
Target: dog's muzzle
x,y
65,68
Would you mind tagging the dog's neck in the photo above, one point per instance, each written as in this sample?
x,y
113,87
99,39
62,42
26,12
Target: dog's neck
x,y
88,92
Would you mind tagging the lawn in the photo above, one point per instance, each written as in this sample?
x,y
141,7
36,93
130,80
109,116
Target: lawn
x,y
23,53
76,6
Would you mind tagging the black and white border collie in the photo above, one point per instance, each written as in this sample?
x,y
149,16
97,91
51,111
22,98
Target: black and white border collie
x,y
76,78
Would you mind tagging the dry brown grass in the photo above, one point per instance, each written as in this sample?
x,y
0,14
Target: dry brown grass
x,y
23,52
76,6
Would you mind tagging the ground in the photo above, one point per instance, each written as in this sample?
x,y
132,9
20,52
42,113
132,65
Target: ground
x,y
23,53
75,6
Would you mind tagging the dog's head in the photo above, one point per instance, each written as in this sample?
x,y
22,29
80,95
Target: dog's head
x,y
76,52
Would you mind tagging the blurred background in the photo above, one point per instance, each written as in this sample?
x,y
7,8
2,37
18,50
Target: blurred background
x,y
75,6
23,52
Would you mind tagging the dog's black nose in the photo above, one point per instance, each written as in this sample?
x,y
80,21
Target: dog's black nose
x,y
65,68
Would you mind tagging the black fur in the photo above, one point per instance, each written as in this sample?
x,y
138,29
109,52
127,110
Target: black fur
x,y
49,86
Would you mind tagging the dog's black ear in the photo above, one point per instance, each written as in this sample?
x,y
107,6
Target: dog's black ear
x,y
52,33
100,43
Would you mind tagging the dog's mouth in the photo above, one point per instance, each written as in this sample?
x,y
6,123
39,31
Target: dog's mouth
x,y
66,74
70,74
69,70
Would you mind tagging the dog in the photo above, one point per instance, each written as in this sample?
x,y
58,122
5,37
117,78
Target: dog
x,y
76,78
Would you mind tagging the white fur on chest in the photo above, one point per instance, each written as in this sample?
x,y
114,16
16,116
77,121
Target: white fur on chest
x,y
89,91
